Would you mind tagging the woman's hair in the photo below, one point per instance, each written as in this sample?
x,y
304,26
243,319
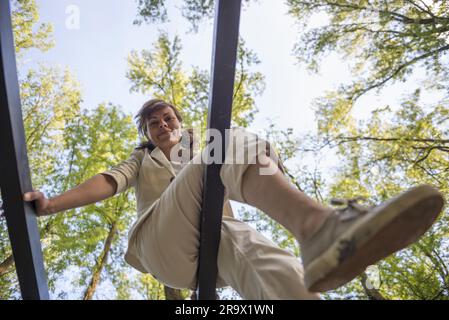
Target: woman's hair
x,y
145,112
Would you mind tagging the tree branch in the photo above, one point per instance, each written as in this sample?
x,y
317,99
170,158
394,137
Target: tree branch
x,y
293,179
429,151
355,96
355,138
6,265
420,8
395,16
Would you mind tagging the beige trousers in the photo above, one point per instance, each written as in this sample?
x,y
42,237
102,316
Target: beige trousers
x,y
168,241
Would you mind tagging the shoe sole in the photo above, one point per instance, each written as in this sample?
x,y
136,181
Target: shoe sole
x,y
387,229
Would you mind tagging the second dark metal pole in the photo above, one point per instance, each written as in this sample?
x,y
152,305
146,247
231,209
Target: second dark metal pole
x,y
224,57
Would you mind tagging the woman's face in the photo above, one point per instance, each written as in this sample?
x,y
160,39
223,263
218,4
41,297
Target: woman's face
x,y
164,128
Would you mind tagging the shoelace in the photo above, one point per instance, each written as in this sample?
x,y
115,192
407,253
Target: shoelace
x,y
346,213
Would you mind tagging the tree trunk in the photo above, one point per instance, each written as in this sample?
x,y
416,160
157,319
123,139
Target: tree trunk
x,y
372,293
101,262
6,265
173,294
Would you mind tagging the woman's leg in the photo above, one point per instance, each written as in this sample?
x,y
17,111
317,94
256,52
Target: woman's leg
x,y
259,182
298,213
336,246
256,267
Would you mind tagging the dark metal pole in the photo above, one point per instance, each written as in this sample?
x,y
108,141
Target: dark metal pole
x,y
15,172
224,56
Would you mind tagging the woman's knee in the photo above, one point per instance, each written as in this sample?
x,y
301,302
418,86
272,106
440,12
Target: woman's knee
x,y
248,149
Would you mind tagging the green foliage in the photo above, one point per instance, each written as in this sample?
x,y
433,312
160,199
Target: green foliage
x,y
382,156
25,17
151,11
66,146
377,159
50,101
195,11
150,288
384,40
159,73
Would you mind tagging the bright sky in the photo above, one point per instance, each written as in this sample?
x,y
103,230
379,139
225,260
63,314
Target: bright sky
x,y
96,53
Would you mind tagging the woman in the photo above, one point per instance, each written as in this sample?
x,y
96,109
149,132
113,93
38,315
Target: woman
x,y
336,244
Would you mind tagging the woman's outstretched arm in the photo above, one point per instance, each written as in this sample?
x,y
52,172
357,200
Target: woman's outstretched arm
x,y
95,189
